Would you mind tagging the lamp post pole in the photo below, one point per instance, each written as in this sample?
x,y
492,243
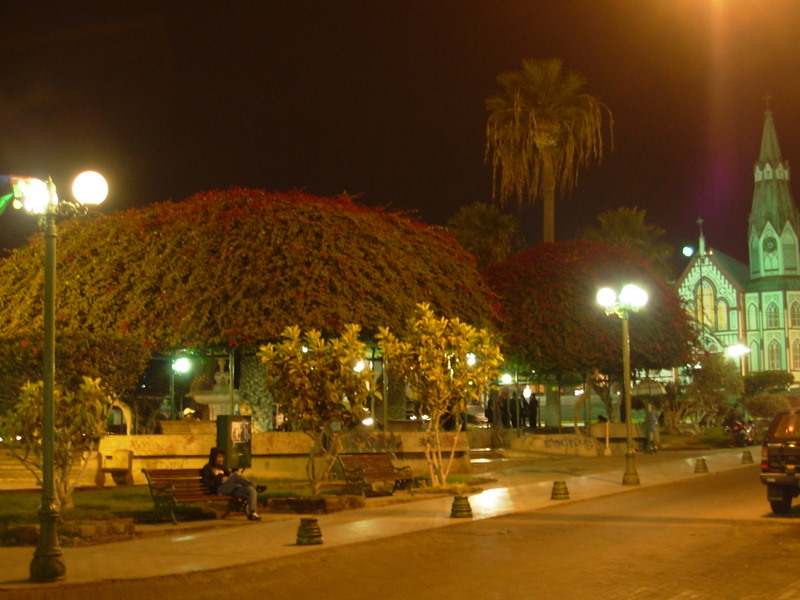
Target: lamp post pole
x,y
631,298
631,477
41,198
47,564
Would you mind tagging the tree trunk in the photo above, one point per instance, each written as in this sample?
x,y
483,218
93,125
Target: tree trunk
x,y
548,189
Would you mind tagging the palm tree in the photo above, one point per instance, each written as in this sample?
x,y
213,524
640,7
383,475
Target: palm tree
x,y
484,231
626,227
542,128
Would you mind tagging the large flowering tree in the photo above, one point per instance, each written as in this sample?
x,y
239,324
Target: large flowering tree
x,y
233,268
553,323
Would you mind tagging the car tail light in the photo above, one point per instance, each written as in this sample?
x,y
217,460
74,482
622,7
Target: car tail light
x,y
764,458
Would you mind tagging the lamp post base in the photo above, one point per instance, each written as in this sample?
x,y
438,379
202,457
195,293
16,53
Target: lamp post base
x,y
47,567
631,477
47,564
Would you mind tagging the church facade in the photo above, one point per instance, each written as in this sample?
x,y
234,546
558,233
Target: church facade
x,y
752,312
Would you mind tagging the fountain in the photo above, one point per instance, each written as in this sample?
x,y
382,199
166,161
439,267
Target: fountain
x,y
222,399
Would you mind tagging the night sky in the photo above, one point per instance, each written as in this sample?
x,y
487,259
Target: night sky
x,y
385,100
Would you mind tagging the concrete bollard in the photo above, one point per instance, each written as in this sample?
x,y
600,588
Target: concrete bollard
x,y
560,491
461,508
747,457
309,532
700,466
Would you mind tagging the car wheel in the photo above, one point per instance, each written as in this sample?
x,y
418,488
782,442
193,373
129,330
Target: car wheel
x,y
783,506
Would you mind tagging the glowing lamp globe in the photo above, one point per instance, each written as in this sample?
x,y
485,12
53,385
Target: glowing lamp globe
x,y
90,188
32,195
606,297
181,365
633,296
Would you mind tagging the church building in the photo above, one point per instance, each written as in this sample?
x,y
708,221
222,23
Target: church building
x,y
752,313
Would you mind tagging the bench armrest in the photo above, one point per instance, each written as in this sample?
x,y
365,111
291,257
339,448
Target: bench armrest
x,y
404,471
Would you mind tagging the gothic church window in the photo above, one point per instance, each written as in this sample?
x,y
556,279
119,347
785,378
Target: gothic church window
x,y
796,355
789,249
794,315
770,247
773,316
774,356
705,304
752,317
755,258
755,357
722,315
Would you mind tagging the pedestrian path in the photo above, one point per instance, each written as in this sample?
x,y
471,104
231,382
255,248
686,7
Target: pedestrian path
x,y
520,486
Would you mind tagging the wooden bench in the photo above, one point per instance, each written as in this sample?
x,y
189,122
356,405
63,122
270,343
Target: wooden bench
x,y
362,470
168,487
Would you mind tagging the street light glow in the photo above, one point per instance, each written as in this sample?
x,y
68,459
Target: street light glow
x,y
181,365
31,195
632,296
737,350
90,188
606,297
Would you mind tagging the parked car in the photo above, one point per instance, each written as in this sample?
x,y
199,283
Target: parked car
x,y
780,460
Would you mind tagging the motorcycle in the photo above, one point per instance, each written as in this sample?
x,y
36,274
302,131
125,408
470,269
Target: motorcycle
x,y
743,433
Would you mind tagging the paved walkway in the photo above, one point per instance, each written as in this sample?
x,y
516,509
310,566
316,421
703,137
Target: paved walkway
x,y
522,485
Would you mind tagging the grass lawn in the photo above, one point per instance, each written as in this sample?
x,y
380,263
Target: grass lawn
x,y
20,508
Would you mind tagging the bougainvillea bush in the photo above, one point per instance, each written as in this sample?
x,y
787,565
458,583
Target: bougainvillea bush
x,y
236,267
552,322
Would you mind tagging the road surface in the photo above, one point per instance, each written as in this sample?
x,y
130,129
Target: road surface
x,y
709,537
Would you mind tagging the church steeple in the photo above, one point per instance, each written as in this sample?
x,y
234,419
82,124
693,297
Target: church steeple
x,y
774,222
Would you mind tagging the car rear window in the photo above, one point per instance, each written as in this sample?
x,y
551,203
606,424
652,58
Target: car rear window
x,y
786,427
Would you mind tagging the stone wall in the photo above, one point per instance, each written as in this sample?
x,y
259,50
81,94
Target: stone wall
x,y
275,455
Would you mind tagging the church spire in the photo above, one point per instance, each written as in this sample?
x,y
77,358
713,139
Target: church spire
x,y
701,242
770,149
774,221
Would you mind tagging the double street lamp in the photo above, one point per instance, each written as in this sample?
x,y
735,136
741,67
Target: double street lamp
x,y
40,198
630,299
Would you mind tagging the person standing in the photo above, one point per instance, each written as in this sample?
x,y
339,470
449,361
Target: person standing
x,y
533,411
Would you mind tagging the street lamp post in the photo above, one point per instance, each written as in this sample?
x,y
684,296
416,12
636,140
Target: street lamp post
x,y
40,198
631,298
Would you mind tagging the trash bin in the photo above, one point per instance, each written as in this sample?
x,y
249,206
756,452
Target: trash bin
x,y
233,436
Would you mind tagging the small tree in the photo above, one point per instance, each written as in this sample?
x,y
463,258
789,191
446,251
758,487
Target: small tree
x,y
80,419
767,381
323,387
446,363
764,406
714,379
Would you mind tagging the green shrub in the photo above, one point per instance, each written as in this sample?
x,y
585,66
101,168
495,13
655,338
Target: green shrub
x,y
766,406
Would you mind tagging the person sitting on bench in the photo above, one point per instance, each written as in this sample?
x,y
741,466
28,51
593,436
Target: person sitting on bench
x,y
221,480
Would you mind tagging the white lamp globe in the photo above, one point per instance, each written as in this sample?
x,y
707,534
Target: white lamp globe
x,y
606,297
35,195
181,365
633,296
90,188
